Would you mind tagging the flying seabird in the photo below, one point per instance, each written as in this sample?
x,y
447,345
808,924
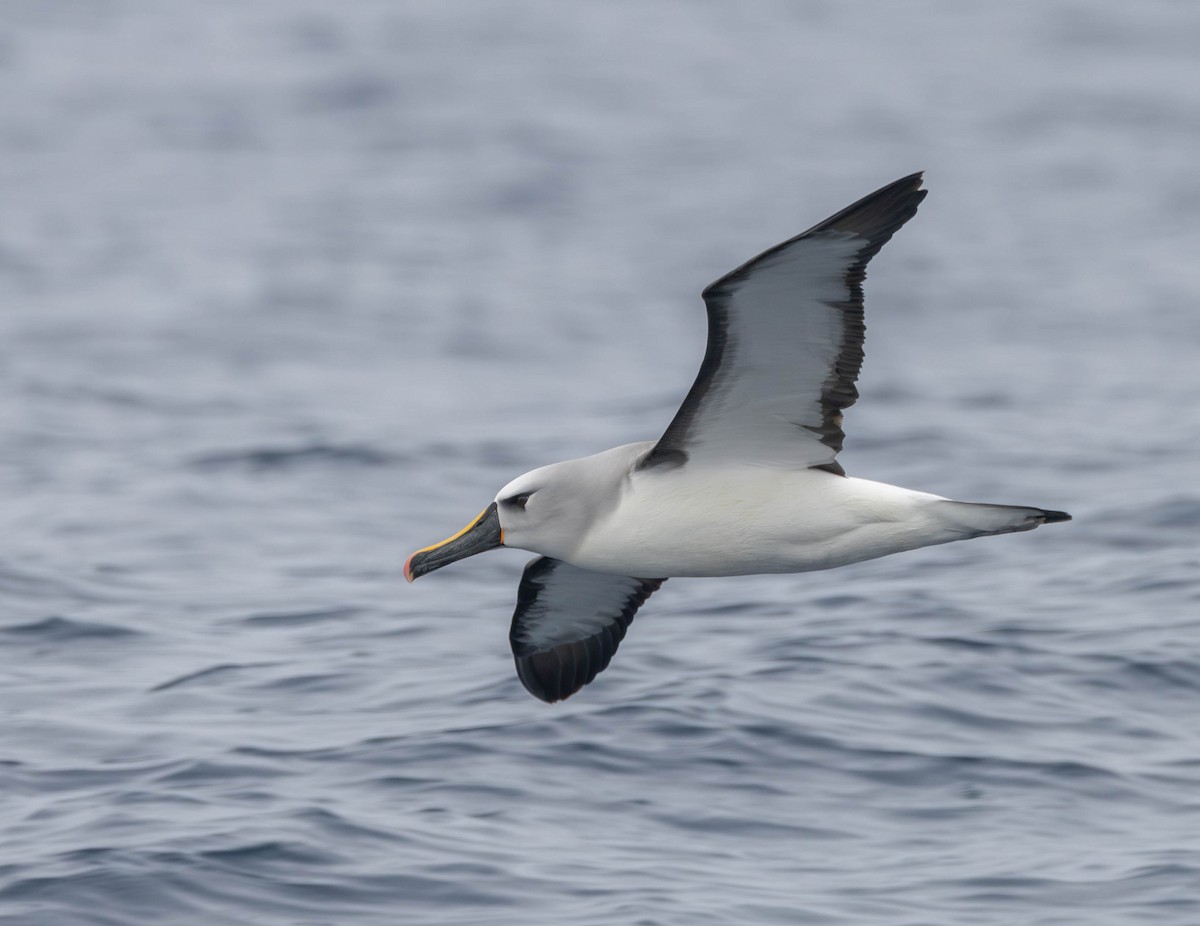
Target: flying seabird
x,y
745,479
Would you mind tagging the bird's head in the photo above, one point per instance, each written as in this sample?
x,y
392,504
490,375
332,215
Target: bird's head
x,y
543,511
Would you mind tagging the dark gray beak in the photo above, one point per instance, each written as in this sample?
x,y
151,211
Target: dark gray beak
x,y
479,536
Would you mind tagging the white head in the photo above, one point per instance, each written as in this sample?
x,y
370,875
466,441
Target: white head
x,y
547,511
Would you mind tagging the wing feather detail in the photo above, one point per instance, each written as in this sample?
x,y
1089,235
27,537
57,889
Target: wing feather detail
x,y
568,624
785,344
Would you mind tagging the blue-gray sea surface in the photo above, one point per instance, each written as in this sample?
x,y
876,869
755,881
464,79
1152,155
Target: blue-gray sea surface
x,y
290,288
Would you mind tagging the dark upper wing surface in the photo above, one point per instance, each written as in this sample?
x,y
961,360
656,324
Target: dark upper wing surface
x,y
568,623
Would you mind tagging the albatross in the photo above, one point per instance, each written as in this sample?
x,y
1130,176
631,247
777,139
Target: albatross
x,y
745,479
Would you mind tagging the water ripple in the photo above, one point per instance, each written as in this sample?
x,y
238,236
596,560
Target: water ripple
x,y
290,287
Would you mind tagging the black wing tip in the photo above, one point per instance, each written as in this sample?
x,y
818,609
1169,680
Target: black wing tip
x,y
1053,517
532,679
558,671
544,681
877,216
556,674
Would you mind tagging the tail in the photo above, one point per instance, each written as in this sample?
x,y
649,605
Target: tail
x,y
974,519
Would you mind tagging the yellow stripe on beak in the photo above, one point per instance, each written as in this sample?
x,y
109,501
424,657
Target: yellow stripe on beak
x,y
454,537
489,535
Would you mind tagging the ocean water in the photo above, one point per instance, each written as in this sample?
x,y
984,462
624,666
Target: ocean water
x,y
289,289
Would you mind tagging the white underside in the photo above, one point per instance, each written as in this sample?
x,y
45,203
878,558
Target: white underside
x,y
739,519
747,520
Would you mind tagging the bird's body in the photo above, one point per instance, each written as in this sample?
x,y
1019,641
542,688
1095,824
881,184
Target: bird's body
x,y
745,479
661,522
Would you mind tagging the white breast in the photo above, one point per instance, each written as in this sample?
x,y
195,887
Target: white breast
x,y
744,520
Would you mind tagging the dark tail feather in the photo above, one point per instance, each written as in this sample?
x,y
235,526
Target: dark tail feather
x,y
977,519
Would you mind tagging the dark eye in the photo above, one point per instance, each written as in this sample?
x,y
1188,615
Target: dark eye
x,y
518,501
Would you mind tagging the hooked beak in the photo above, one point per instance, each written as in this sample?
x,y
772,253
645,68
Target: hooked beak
x,y
479,536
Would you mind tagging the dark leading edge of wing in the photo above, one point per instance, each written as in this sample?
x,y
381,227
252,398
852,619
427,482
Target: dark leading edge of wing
x,y
569,622
796,305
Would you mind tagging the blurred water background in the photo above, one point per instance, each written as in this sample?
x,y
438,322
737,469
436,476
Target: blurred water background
x,y
289,288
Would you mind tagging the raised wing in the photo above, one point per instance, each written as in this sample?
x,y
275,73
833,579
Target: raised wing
x,y
785,344
568,624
